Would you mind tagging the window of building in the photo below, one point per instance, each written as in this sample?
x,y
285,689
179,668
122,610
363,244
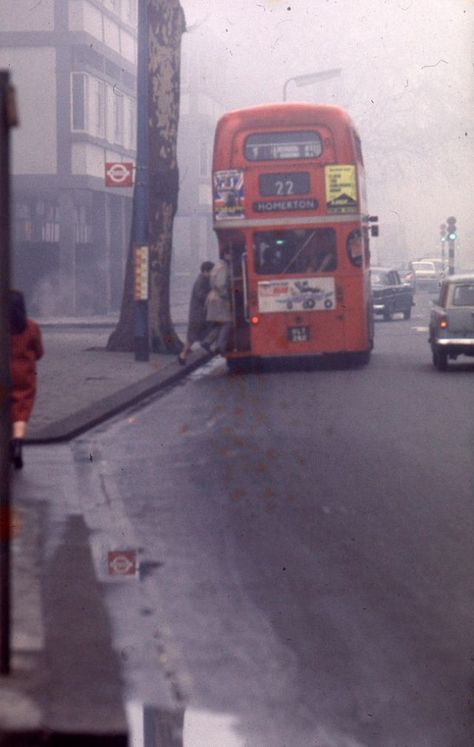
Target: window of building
x,y
79,87
23,223
100,108
82,225
118,105
50,223
114,5
131,11
132,124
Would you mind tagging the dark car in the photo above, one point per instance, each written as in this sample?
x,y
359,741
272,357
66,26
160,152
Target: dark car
x,y
452,320
389,295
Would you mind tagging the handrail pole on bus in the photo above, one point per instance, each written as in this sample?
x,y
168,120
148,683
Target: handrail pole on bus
x,y
244,285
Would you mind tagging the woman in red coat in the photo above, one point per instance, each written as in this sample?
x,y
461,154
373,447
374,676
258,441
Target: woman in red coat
x,y
25,349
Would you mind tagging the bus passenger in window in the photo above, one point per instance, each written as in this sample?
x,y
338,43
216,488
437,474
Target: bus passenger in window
x,y
272,260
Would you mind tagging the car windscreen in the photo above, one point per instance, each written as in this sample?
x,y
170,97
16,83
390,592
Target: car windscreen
x,y
379,278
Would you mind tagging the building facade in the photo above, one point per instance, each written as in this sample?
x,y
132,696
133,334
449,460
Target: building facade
x,y
73,64
202,93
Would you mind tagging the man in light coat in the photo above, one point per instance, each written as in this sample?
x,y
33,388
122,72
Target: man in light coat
x,y
219,307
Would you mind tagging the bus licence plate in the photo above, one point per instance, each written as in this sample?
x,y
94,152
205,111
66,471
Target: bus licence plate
x,y
298,334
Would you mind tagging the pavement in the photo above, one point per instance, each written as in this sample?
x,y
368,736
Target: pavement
x,y
81,384
54,695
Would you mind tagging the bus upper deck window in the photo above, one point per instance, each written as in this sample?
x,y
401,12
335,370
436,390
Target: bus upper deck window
x,y
274,146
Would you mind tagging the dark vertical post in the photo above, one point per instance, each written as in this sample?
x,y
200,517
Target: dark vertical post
x,y
140,222
7,119
451,245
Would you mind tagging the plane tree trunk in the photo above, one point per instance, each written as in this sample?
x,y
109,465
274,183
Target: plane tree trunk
x,y
166,24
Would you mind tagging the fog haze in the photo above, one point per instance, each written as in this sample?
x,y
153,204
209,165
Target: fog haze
x,y
407,81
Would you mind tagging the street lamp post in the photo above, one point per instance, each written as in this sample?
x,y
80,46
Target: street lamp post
x,y
306,80
7,120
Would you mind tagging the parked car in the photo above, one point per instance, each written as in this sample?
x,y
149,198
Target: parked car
x,y
452,320
389,294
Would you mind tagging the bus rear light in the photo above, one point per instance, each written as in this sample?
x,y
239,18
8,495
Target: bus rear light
x,y
254,319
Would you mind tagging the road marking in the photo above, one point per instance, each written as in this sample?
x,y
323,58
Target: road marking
x,y
420,329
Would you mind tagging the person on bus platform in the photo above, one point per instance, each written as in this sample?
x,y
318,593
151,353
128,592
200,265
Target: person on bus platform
x,y
198,327
25,349
219,310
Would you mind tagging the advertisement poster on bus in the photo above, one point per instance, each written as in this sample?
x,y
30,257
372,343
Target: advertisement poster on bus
x,y
341,189
228,194
296,294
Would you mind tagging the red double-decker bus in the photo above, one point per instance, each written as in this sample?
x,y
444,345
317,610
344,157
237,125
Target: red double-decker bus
x,y
289,202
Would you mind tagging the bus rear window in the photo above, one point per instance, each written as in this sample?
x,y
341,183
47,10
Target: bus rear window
x,y
276,146
295,252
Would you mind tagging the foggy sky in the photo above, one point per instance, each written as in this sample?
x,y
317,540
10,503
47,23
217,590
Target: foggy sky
x,y
407,82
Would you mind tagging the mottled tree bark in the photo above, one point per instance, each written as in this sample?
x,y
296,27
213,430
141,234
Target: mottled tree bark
x,y
166,25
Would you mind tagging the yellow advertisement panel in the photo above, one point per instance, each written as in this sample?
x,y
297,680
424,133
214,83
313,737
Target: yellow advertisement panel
x,y
341,188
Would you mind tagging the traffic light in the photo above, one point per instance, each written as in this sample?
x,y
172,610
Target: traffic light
x,y
451,228
442,231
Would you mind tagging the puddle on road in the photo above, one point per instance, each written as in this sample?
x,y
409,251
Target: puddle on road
x,y
153,727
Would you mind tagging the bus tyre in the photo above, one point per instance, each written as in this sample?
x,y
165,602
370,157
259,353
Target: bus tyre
x,y
440,359
387,313
407,313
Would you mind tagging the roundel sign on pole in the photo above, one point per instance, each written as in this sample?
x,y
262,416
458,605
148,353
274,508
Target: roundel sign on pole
x,y
118,174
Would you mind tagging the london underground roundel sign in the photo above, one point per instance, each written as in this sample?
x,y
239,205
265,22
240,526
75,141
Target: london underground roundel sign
x,y
119,174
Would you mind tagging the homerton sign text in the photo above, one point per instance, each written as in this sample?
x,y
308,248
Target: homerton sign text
x,y
273,206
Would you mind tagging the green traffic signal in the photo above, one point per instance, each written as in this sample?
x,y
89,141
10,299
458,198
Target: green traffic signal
x,y
451,228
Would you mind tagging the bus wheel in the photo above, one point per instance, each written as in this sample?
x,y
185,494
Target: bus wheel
x,y
387,314
407,313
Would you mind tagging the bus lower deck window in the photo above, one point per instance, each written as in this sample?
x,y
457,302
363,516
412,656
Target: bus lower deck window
x,y
295,251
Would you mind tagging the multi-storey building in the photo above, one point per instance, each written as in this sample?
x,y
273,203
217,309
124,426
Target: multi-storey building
x,y
73,64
